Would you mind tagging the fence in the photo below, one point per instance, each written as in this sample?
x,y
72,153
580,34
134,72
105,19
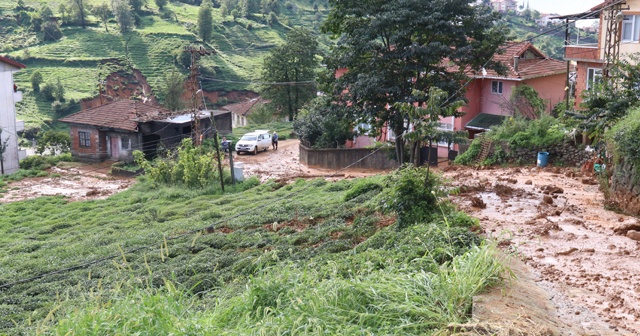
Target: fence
x,y
337,158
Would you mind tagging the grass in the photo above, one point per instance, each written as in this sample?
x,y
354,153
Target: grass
x,y
240,46
312,262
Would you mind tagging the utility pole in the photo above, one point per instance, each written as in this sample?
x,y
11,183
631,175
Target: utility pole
x,y
100,84
233,175
193,88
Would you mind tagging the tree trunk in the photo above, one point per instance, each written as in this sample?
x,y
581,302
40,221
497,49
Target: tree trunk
x,y
400,148
417,154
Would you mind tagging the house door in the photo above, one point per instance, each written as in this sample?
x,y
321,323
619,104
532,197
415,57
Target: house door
x,y
115,147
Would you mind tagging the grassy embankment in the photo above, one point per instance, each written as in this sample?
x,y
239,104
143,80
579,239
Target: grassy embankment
x,y
240,45
309,258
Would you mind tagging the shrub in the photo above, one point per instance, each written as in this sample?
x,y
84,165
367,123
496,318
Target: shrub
x,y
361,187
624,138
467,157
521,133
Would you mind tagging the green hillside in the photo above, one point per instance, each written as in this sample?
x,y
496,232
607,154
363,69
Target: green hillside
x,y
551,42
153,47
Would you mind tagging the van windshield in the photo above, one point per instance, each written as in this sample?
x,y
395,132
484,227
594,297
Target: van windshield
x,y
249,138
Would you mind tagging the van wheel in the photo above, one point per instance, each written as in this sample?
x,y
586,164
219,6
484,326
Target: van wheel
x,y
255,151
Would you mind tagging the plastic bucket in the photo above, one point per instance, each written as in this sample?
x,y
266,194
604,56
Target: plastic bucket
x,y
238,171
543,159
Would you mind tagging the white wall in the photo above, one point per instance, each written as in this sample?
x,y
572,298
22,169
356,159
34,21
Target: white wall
x,y
8,117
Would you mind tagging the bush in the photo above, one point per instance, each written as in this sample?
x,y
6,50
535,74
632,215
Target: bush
x,y
321,125
361,187
467,157
624,138
518,132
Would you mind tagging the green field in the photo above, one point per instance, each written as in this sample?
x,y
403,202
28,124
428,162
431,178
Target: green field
x,y
312,256
240,46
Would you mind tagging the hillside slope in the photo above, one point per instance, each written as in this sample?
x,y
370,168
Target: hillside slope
x,y
153,47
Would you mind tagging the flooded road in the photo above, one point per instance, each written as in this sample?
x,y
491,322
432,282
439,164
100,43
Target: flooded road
x,y
554,219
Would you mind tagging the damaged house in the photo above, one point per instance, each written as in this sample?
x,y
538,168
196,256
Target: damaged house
x,y
114,130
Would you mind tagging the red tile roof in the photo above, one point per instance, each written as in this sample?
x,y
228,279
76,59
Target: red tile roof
x,y
120,114
534,64
12,62
243,108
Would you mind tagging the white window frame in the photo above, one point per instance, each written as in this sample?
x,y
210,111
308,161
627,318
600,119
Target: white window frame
x,y
444,127
593,77
499,87
632,21
363,129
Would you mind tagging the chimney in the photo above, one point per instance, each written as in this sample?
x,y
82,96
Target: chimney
x,y
515,62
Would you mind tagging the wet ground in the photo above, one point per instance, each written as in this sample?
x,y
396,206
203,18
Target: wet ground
x,y
554,219
578,271
75,181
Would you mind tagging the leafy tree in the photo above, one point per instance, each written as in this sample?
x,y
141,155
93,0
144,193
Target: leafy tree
x,y
51,31
36,80
136,5
235,13
161,3
58,93
55,142
249,7
205,21
270,6
172,90
260,115
272,19
294,62
610,101
47,90
45,13
323,125
227,6
393,49
62,9
104,13
122,12
79,12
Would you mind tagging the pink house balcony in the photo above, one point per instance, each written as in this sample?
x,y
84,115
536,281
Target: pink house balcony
x,y
583,52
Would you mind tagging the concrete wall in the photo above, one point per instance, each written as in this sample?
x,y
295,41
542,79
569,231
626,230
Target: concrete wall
x,y
492,103
581,79
549,88
565,153
337,158
8,98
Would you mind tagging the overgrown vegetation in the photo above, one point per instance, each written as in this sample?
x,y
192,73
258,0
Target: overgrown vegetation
x,y
624,138
519,132
321,124
278,257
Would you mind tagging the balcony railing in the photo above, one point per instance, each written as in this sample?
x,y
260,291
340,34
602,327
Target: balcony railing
x,y
583,52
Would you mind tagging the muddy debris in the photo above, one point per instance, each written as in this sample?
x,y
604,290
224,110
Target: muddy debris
x,y
623,229
468,189
503,191
477,202
588,181
552,189
547,199
528,182
567,252
633,234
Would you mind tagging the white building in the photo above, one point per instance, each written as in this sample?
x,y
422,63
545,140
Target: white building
x,y
504,5
9,96
546,20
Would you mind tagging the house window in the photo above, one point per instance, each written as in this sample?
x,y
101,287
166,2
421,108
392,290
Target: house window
x,y
125,143
630,28
444,127
363,128
496,87
594,76
84,138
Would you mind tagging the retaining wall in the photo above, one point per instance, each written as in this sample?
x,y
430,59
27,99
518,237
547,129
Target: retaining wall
x,y
566,153
337,158
625,187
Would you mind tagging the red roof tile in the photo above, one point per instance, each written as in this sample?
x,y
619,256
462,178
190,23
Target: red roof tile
x,y
12,62
243,108
532,63
120,114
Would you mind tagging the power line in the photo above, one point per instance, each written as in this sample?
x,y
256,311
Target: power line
x,y
209,227
312,82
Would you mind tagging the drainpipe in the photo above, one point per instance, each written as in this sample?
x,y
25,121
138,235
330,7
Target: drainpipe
x,y
515,62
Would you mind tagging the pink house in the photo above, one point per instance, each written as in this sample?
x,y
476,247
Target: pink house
x,y
488,91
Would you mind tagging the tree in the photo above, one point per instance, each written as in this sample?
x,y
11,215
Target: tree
x,y
122,12
525,102
36,80
46,13
609,101
270,6
172,90
136,5
227,6
249,7
104,13
161,3
293,63
205,20
78,12
55,142
62,9
58,92
393,49
323,125
51,31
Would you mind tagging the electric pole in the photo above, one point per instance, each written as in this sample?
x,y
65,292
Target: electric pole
x,y
192,85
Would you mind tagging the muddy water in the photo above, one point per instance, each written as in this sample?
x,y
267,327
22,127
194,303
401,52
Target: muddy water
x,y
591,273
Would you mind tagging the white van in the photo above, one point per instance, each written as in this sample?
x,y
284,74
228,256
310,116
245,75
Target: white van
x,y
254,142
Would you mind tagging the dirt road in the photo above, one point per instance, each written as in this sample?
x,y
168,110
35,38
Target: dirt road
x,y
556,222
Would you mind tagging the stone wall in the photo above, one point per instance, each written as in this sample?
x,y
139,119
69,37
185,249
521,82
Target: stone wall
x,y
566,153
625,187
